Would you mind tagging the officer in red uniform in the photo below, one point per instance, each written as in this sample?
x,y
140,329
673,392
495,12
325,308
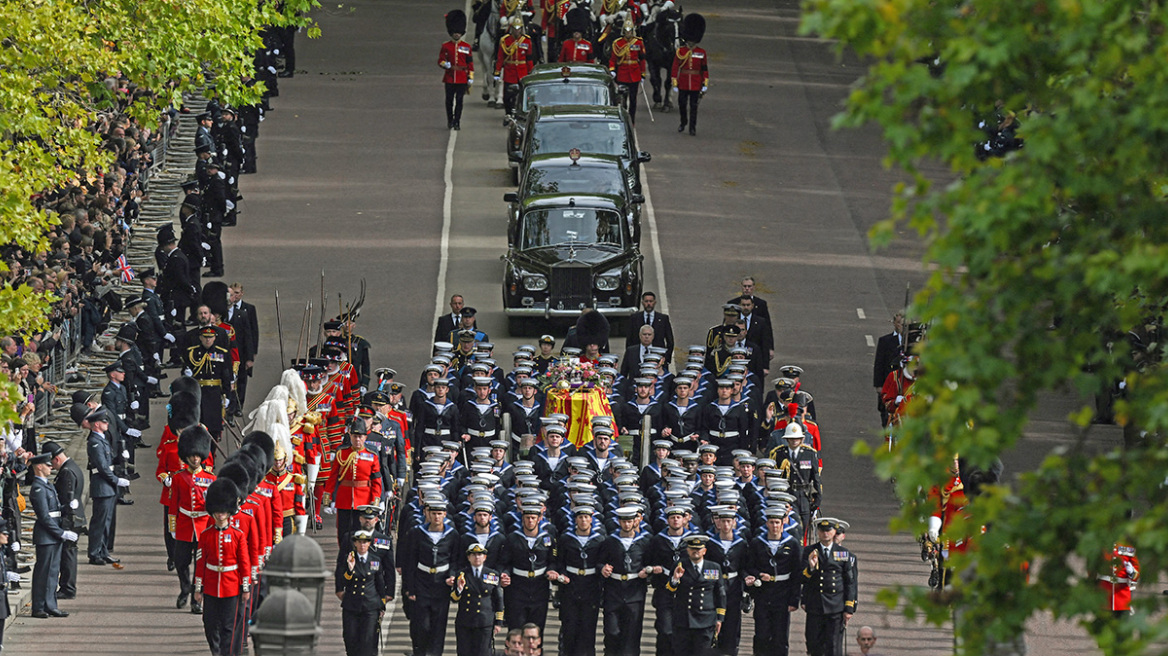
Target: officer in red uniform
x,y
183,412
690,73
457,59
222,571
355,481
577,48
627,64
515,59
186,515
1125,573
948,502
290,488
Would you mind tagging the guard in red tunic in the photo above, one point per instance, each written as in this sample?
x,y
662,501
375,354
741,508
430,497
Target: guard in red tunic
x,y
552,15
183,412
691,72
355,481
515,59
1125,573
949,503
186,515
290,488
897,390
457,59
222,571
577,48
627,64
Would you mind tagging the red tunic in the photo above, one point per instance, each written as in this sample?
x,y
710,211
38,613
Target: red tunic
x,y
897,384
223,564
950,503
628,60
577,51
290,488
247,524
169,462
690,71
514,59
509,7
1125,572
356,480
461,60
274,506
187,516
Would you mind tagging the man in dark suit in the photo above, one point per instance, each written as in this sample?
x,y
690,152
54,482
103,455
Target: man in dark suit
x,y
70,485
447,323
103,488
635,355
760,304
889,349
649,316
758,330
242,317
48,536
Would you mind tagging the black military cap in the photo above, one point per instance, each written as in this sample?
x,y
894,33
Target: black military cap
x,y
376,397
357,427
41,459
205,116
730,309
467,312
148,272
397,388
827,524
371,510
189,184
466,335
332,325
135,302
52,448
731,330
547,339
362,536
116,365
696,541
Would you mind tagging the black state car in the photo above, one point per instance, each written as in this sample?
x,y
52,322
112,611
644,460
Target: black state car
x,y
570,251
591,130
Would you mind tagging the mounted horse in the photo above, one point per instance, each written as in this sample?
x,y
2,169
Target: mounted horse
x,y
662,39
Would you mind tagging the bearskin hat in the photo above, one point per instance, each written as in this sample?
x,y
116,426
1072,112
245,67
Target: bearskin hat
x,y
194,441
253,463
591,328
186,384
263,444
578,20
456,22
215,297
693,28
182,411
222,496
239,475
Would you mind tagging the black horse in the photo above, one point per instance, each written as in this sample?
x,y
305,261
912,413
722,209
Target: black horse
x,y
662,39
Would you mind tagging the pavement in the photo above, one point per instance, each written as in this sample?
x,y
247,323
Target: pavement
x,y
359,178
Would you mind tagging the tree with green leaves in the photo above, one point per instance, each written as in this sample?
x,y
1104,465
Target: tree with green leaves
x,y
60,63
1050,276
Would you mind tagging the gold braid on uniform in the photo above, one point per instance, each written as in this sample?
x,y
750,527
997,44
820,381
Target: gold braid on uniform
x,y
197,366
684,59
509,52
510,6
610,6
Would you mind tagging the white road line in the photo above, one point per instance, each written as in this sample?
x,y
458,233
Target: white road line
x,y
871,342
654,247
444,248
860,313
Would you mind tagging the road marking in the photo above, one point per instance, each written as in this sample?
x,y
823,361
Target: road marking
x,y
860,313
444,247
654,247
871,342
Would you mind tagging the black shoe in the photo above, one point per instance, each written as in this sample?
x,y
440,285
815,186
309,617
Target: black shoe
x,y
181,602
23,569
126,502
58,613
66,595
449,124
681,128
693,132
196,608
747,605
169,564
284,74
457,126
133,477
41,616
97,561
213,274
110,560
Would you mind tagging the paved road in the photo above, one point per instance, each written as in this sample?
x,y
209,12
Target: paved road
x,y
351,181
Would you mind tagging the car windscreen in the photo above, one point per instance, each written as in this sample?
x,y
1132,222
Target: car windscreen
x,y
560,93
571,225
592,137
574,179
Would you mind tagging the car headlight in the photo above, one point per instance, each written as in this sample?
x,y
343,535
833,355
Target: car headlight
x,y
534,283
607,283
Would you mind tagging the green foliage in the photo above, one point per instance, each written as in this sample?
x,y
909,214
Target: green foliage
x,y
59,69
1044,261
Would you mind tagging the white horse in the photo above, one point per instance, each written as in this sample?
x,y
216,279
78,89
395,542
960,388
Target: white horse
x,y
487,52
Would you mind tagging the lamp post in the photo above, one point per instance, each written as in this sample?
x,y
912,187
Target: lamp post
x,y
284,624
298,563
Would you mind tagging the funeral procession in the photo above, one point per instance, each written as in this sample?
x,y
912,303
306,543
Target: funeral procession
x,y
603,390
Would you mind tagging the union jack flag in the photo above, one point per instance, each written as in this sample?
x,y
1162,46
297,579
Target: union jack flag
x,y
125,268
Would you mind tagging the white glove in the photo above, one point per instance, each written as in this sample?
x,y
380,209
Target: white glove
x,y
134,404
222,175
174,313
208,226
272,70
1127,567
363,390
226,402
167,481
704,87
69,535
158,358
401,483
205,245
173,534
899,399
934,528
230,205
329,510
125,454
13,577
16,547
231,180
275,51
612,73
446,65
133,432
497,78
123,482
150,380
75,504
301,524
188,372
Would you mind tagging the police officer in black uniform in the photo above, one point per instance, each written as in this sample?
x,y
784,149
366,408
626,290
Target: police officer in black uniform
x,y
478,589
829,591
364,586
698,599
